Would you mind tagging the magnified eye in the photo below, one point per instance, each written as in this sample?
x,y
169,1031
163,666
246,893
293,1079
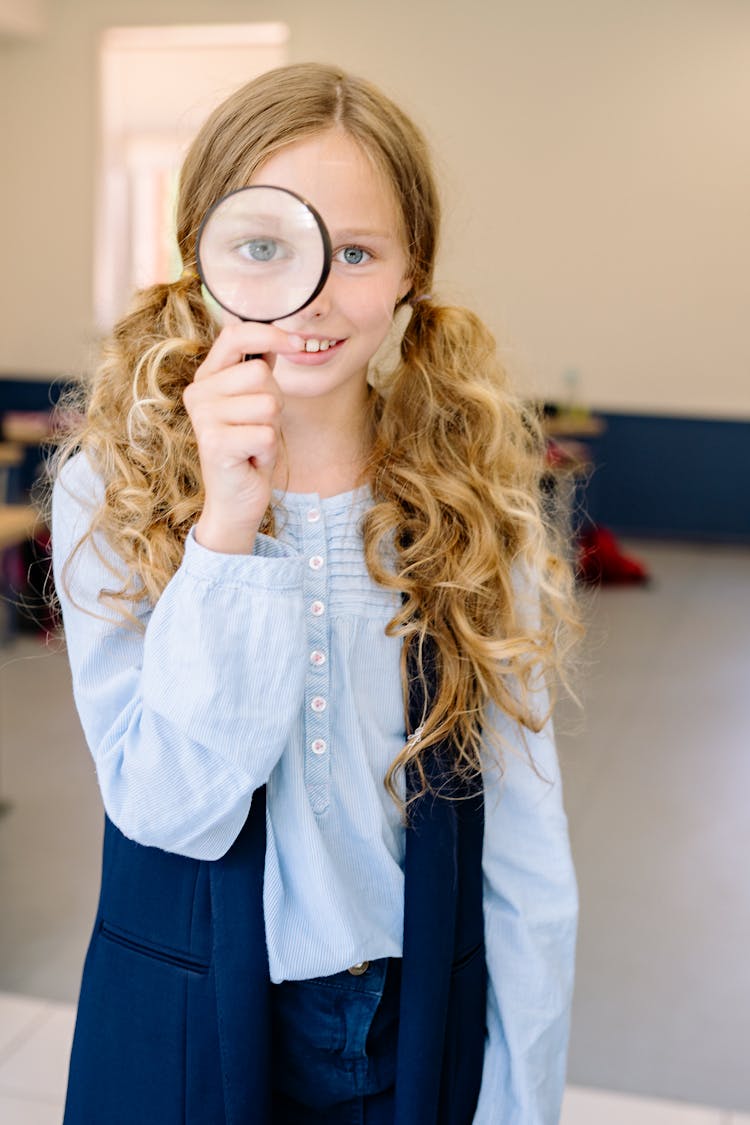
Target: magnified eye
x,y
262,249
263,253
353,255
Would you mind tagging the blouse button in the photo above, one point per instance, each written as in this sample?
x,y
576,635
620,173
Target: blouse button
x,y
318,746
317,609
318,703
317,658
315,562
313,515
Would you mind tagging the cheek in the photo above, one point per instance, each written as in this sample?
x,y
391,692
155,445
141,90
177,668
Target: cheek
x,y
373,307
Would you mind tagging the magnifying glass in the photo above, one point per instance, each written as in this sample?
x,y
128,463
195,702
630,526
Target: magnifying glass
x,y
263,253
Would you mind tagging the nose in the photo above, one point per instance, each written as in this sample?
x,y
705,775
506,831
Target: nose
x,y
316,310
320,305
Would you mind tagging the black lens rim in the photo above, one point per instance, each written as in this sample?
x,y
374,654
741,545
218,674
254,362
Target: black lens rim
x,y
327,252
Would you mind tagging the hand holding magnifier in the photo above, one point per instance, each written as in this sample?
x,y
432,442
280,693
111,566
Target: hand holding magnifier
x,y
263,253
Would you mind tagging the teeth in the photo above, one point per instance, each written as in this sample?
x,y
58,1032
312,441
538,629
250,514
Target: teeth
x,y
319,345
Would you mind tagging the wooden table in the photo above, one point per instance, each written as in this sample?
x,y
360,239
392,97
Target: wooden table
x,y
573,424
18,522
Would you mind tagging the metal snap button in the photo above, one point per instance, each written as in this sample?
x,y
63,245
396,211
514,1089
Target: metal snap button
x,y
359,969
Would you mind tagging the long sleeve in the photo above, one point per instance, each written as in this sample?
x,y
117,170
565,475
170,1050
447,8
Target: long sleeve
x,y
531,908
186,717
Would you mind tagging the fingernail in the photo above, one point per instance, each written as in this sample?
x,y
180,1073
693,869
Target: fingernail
x,y
296,343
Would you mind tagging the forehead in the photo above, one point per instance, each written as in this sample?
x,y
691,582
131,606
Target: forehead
x,y
340,179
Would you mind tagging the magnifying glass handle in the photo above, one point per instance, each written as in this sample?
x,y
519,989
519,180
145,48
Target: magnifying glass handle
x,y
248,357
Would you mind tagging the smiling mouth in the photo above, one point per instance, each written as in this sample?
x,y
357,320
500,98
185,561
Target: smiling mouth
x,y
319,345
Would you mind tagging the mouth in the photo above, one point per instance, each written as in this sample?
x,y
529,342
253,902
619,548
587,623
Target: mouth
x,y
316,344
316,350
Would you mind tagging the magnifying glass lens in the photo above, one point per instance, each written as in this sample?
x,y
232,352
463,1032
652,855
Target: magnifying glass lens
x,y
263,253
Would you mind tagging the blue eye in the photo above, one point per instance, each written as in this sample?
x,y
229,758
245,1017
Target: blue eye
x,y
353,255
260,249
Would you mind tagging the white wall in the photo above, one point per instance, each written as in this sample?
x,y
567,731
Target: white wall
x,y
595,157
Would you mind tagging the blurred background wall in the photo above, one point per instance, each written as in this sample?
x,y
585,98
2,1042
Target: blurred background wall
x,y
595,163
594,154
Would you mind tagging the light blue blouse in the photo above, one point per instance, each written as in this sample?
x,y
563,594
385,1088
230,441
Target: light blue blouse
x,y
275,669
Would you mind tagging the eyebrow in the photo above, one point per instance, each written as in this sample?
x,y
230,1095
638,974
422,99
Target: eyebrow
x,y
354,234
244,217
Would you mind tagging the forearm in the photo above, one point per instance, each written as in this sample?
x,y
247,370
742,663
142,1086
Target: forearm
x,y
186,718
185,722
531,908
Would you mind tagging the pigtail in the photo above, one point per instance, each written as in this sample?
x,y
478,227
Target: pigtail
x,y
133,426
456,475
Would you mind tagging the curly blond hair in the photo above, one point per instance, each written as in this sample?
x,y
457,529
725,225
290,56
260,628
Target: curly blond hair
x,y
457,524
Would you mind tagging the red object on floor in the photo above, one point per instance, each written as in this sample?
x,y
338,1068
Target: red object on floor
x,y
600,559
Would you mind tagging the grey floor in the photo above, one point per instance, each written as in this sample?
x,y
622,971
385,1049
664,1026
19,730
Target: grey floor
x,y
657,775
658,779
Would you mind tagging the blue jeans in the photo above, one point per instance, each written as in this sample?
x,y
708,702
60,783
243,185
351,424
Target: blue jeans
x,y
334,1047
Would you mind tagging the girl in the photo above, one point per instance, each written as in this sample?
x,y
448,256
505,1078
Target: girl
x,y
310,609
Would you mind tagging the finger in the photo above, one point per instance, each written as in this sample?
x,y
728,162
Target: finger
x,y
243,379
236,341
224,448
265,443
242,410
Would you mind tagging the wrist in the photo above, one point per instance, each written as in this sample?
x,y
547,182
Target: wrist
x,y
225,539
